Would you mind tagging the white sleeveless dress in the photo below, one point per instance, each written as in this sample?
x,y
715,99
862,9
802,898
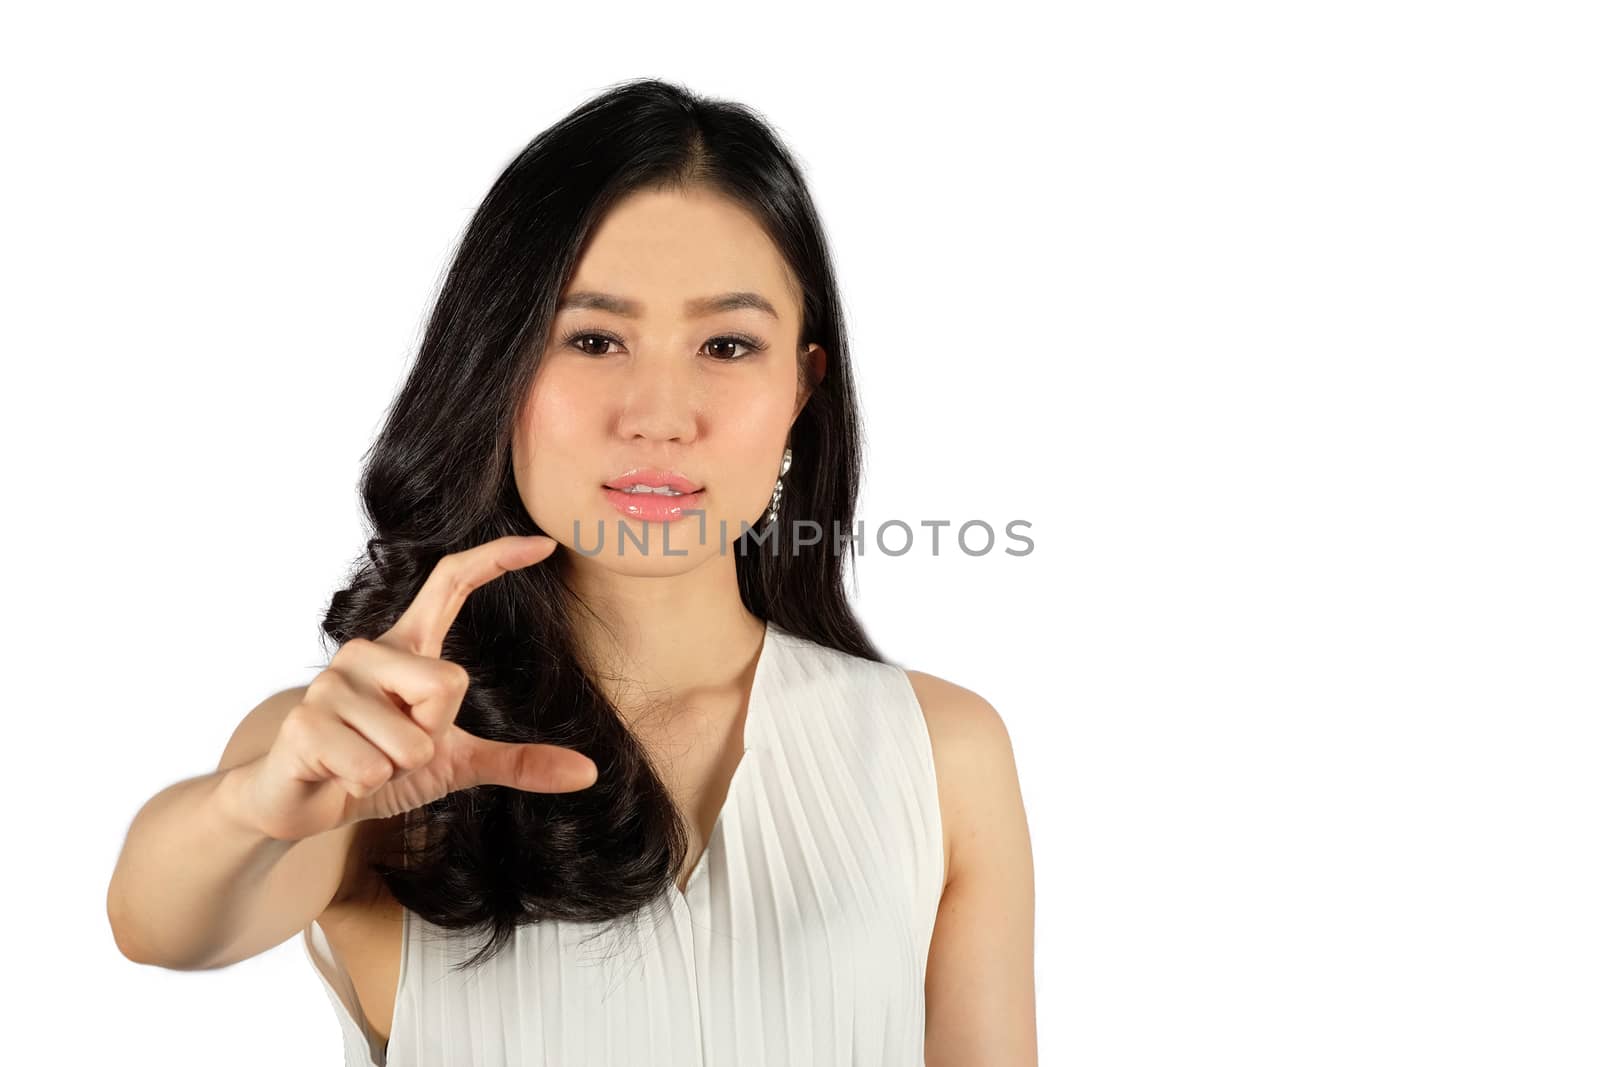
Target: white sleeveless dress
x,y
802,937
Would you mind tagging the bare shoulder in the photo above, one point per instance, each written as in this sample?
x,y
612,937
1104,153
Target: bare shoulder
x,y
972,758
979,989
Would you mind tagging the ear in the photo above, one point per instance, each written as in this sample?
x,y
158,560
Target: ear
x,y
813,364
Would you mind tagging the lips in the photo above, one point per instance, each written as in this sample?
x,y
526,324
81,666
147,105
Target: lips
x,y
654,507
654,478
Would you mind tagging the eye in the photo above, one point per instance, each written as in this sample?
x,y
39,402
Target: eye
x,y
742,341
578,337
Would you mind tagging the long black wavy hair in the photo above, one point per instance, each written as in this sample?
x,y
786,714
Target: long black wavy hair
x,y
438,479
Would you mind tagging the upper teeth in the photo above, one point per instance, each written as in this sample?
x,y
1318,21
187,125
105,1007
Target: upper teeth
x,y
660,489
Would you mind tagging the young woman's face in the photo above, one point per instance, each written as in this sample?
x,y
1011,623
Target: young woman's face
x,y
643,370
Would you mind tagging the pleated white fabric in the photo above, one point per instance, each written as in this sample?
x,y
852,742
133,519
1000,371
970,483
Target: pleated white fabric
x,y
802,937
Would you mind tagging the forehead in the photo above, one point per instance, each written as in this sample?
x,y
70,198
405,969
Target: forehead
x,y
664,248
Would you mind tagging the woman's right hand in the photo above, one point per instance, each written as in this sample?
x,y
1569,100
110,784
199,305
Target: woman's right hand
x,y
374,734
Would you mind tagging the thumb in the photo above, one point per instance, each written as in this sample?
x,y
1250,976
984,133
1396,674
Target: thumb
x,y
534,768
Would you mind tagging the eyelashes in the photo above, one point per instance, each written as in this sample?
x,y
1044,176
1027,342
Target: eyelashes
x,y
749,344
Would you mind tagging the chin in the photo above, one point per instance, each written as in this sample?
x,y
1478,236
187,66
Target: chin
x,y
636,547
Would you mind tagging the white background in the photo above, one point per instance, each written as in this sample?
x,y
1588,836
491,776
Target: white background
x,y
1277,321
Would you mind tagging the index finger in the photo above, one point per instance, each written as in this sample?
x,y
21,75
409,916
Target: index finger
x,y
422,627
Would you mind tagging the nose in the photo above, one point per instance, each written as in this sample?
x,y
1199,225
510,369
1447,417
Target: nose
x,y
659,399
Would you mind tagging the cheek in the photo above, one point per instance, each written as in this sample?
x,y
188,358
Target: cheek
x,y
751,432
558,418
555,426
757,408
753,421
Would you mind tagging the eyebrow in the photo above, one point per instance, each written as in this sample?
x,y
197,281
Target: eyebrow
x,y
705,305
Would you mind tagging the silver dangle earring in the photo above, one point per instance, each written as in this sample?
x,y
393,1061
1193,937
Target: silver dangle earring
x,y
777,491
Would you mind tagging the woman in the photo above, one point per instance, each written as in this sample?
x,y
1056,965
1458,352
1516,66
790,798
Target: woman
x,y
604,769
